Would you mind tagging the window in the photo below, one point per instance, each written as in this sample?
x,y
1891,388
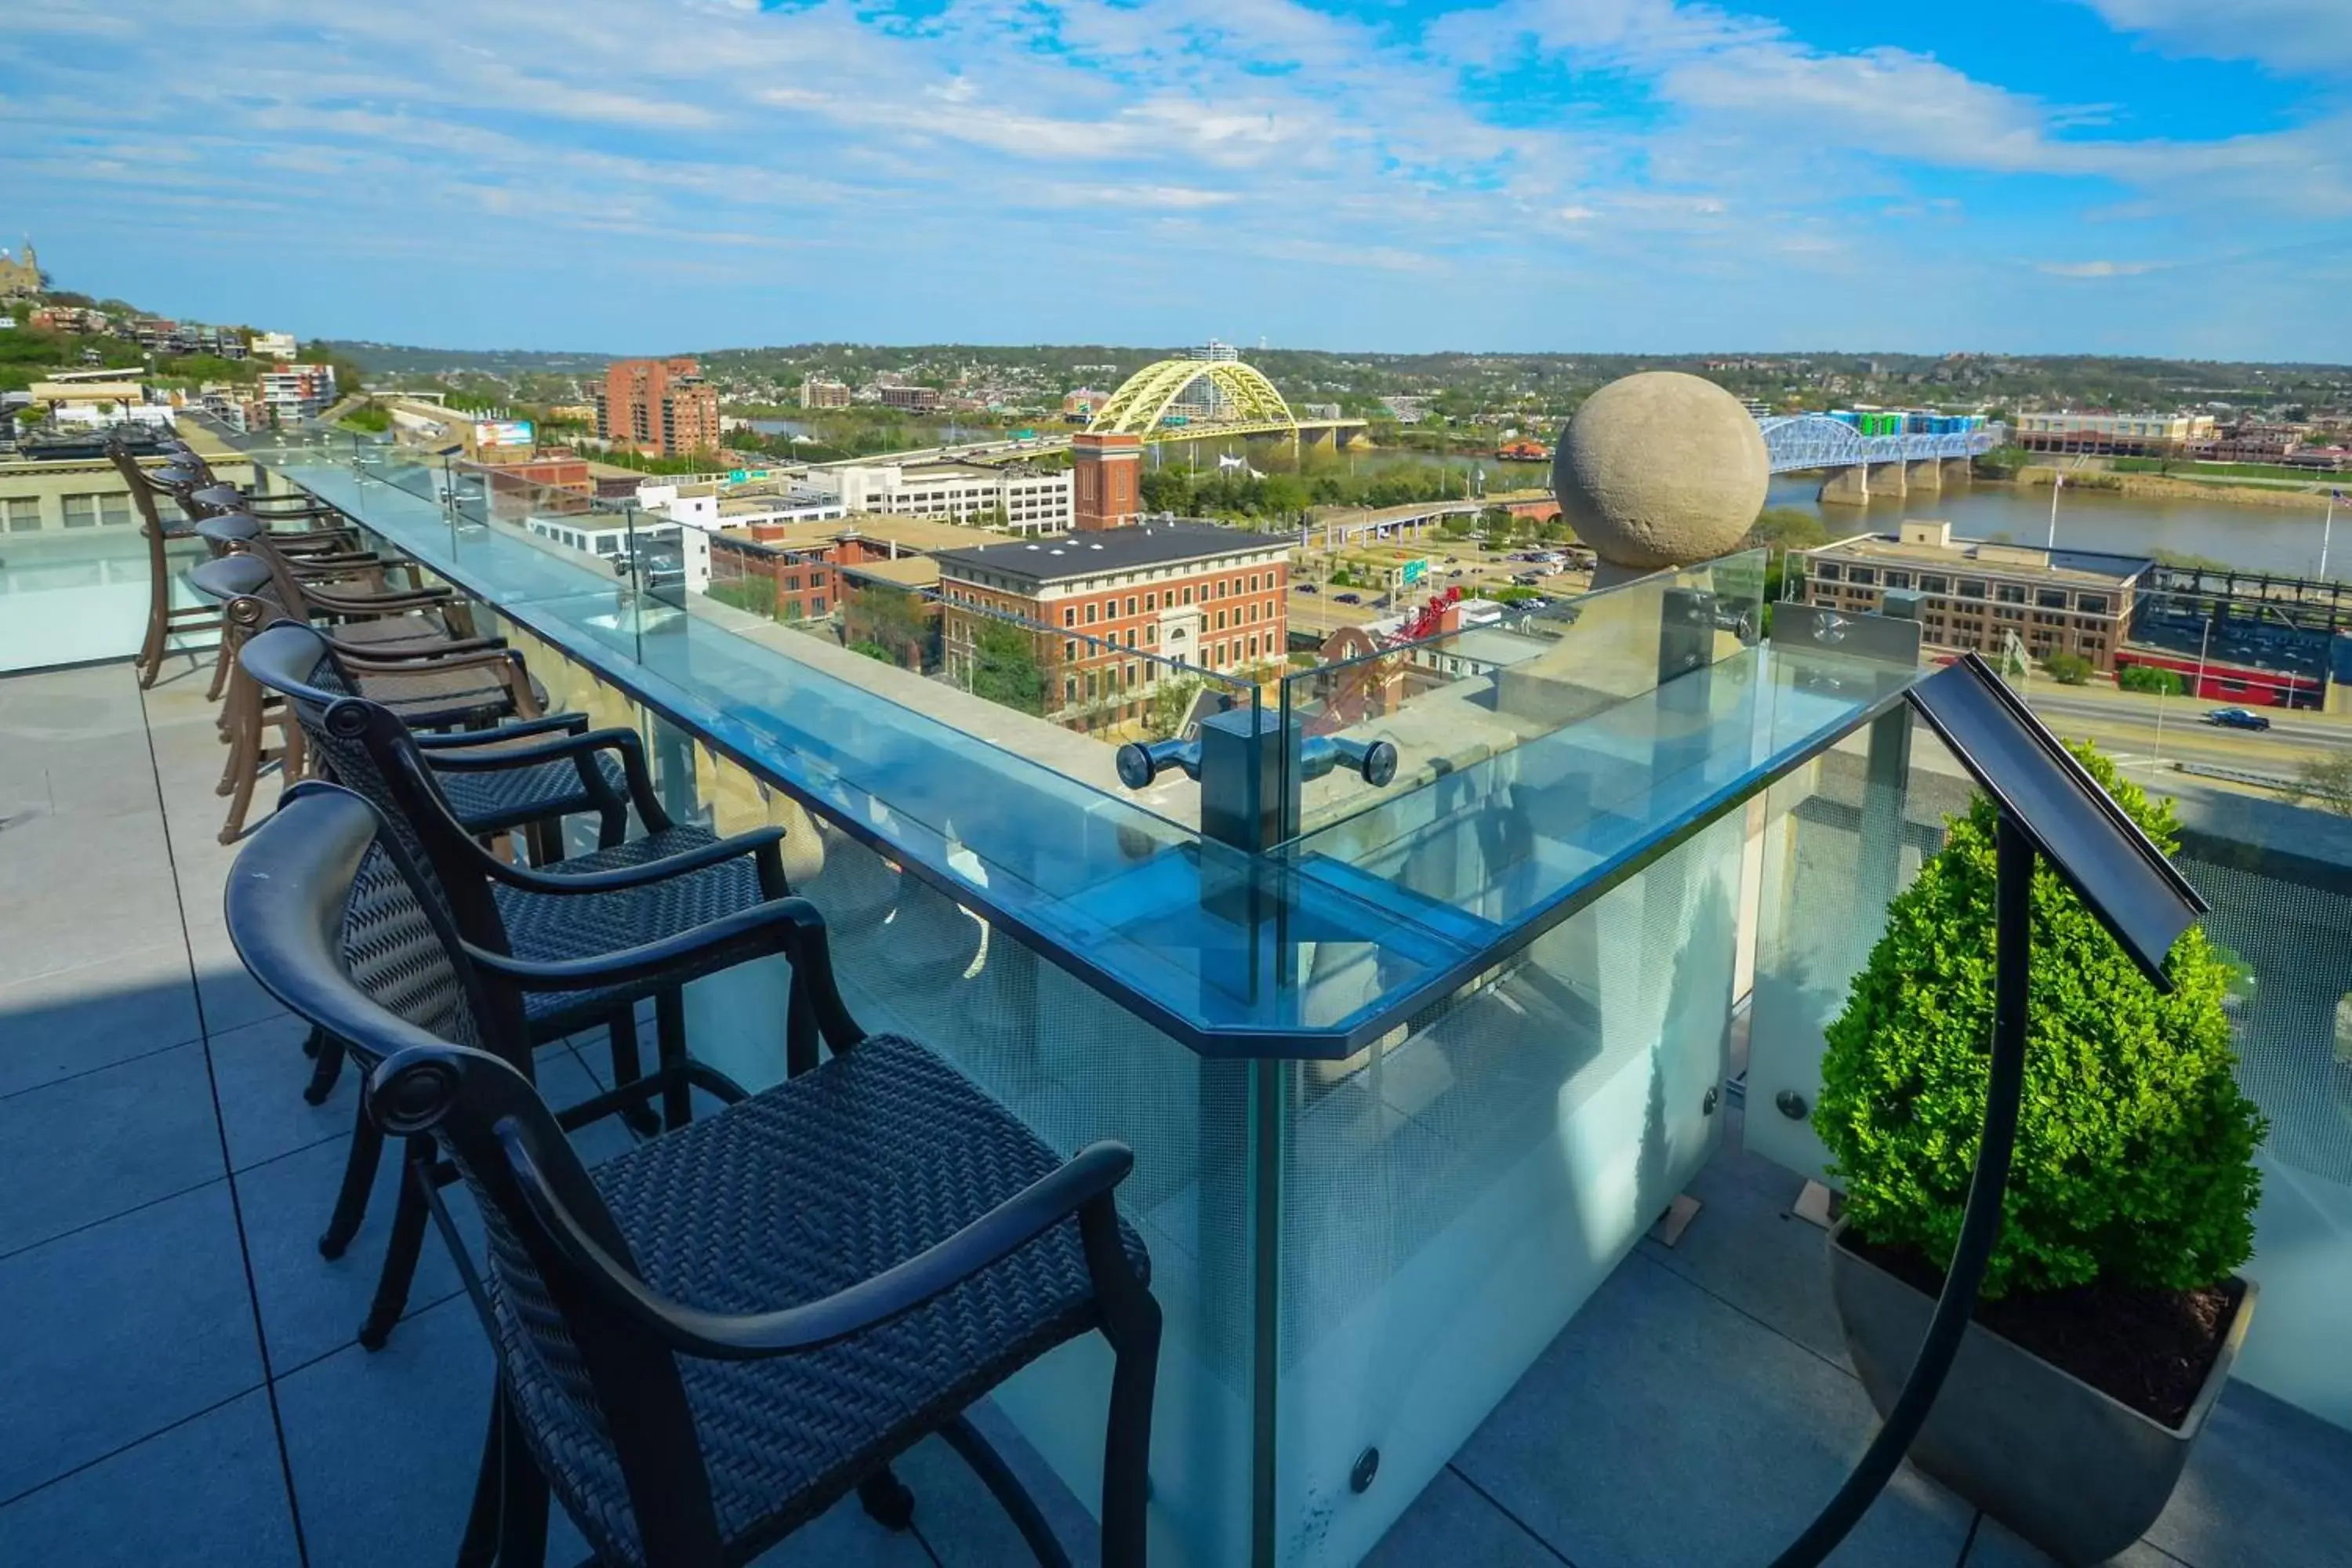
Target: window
x,y
1222,587
816,605
1827,571
1898,579
1253,582
2009,593
1091,608
2091,603
1188,596
1130,604
1069,614
1254,610
2050,599
1931,584
1866,575
1150,602
1070,650
1152,635
1221,620
93,510
1252,646
1971,588
1069,691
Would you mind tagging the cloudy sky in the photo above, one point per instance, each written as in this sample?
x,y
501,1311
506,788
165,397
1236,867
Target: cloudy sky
x,y
2161,176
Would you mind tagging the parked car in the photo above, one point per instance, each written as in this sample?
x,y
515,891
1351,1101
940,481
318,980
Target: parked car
x,y
2238,719
1307,587
1347,598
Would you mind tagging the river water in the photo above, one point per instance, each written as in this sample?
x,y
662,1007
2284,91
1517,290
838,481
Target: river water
x,y
2257,537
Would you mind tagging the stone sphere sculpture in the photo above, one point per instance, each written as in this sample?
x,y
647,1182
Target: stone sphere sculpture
x,y
1660,470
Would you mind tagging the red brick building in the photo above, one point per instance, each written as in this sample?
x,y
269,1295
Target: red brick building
x,y
1213,598
661,406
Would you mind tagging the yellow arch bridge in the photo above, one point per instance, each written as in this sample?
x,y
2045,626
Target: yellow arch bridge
x,y
1244,404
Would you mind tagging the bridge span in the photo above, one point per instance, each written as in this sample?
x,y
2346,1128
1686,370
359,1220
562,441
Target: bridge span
x,y
1861,466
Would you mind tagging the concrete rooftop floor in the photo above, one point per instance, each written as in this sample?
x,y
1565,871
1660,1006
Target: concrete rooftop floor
x,y
178,1382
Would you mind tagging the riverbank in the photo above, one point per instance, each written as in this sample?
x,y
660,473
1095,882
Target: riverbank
x,y
2165,487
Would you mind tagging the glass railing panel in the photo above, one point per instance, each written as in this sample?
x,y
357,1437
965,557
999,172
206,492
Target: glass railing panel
x,y
1448,699
1489,1166
1840,837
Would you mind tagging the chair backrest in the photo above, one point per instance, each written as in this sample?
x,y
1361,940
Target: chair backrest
x,y
368,747
248,596
240,533
323,907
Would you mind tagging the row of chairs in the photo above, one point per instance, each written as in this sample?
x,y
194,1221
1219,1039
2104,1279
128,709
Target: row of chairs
x,y
707,1341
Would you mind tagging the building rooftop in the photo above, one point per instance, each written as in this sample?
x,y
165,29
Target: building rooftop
x,y
1931,544
1055,557
929,535
1695,1412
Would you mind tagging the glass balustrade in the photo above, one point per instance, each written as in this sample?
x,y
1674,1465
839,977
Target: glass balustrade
x,y
1405,1078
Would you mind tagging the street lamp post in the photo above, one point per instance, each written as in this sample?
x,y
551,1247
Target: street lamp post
x,y
2327,526
2057,483
2202,644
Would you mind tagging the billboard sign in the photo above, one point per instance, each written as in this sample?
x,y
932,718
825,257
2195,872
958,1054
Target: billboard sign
x,y
498,432
1414,571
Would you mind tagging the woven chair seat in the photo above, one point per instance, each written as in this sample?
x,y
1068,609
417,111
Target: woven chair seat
x,y
392,633
549,927
429,699
486,801
822,1182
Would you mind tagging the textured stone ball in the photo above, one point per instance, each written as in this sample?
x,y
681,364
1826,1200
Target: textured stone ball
x,y
1660,470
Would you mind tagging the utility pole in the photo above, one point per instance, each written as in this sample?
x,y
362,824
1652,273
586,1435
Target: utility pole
x,y
2057,483
2327,526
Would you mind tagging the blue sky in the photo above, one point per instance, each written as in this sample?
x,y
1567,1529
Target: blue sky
x,y
2153,176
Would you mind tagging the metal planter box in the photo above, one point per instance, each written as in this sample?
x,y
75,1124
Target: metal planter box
x,y
2077,1473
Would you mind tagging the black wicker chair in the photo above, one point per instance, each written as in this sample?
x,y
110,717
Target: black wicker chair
x,y
709,1340
560,948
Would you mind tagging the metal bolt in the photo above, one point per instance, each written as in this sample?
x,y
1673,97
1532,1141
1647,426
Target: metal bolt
x,y
1706,1101
1367,1465
1791,1104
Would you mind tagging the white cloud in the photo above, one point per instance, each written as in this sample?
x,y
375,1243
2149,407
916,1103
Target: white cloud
x,y
2299,36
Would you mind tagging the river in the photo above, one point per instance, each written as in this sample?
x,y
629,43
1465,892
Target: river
x,y
2283,540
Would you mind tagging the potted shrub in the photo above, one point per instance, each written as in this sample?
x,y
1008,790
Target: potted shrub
x,y
2111,1312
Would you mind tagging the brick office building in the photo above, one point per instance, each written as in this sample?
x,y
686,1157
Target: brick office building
x,y
1974,592
1211,597
661,406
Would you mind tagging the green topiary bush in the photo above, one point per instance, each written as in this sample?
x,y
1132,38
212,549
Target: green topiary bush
x,y
2134,1162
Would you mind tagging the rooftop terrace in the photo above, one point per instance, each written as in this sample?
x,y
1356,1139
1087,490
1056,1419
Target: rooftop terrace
x,y
1410,1066
182,1386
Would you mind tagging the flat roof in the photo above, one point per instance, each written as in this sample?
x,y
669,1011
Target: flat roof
x,y
913,570
1054,557
926,534
2086,566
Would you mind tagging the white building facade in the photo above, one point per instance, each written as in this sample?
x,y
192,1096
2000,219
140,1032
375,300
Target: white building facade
x,y
1027,501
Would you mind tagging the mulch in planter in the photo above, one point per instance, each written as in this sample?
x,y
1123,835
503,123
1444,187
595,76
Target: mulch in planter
x,y
2150,1348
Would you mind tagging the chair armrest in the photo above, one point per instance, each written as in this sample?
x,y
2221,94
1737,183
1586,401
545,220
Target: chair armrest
x,y
760,843
385,602
1087,1177
554,725
580,746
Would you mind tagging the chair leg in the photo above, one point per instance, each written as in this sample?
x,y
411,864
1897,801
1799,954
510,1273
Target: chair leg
x,y
325,1068
401,1253
522,1509
998,1478
359,1163
669,1034
479,1547
1130,1322
627,1069
222,660
244,759
151,647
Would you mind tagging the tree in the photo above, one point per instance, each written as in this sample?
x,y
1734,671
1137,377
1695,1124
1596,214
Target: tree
x,y
1780,528
1006,668
2326,782
2068,668
2134,1148
2150,678
1167,706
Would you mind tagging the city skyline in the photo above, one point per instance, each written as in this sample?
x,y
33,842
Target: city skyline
x,y
2113,176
